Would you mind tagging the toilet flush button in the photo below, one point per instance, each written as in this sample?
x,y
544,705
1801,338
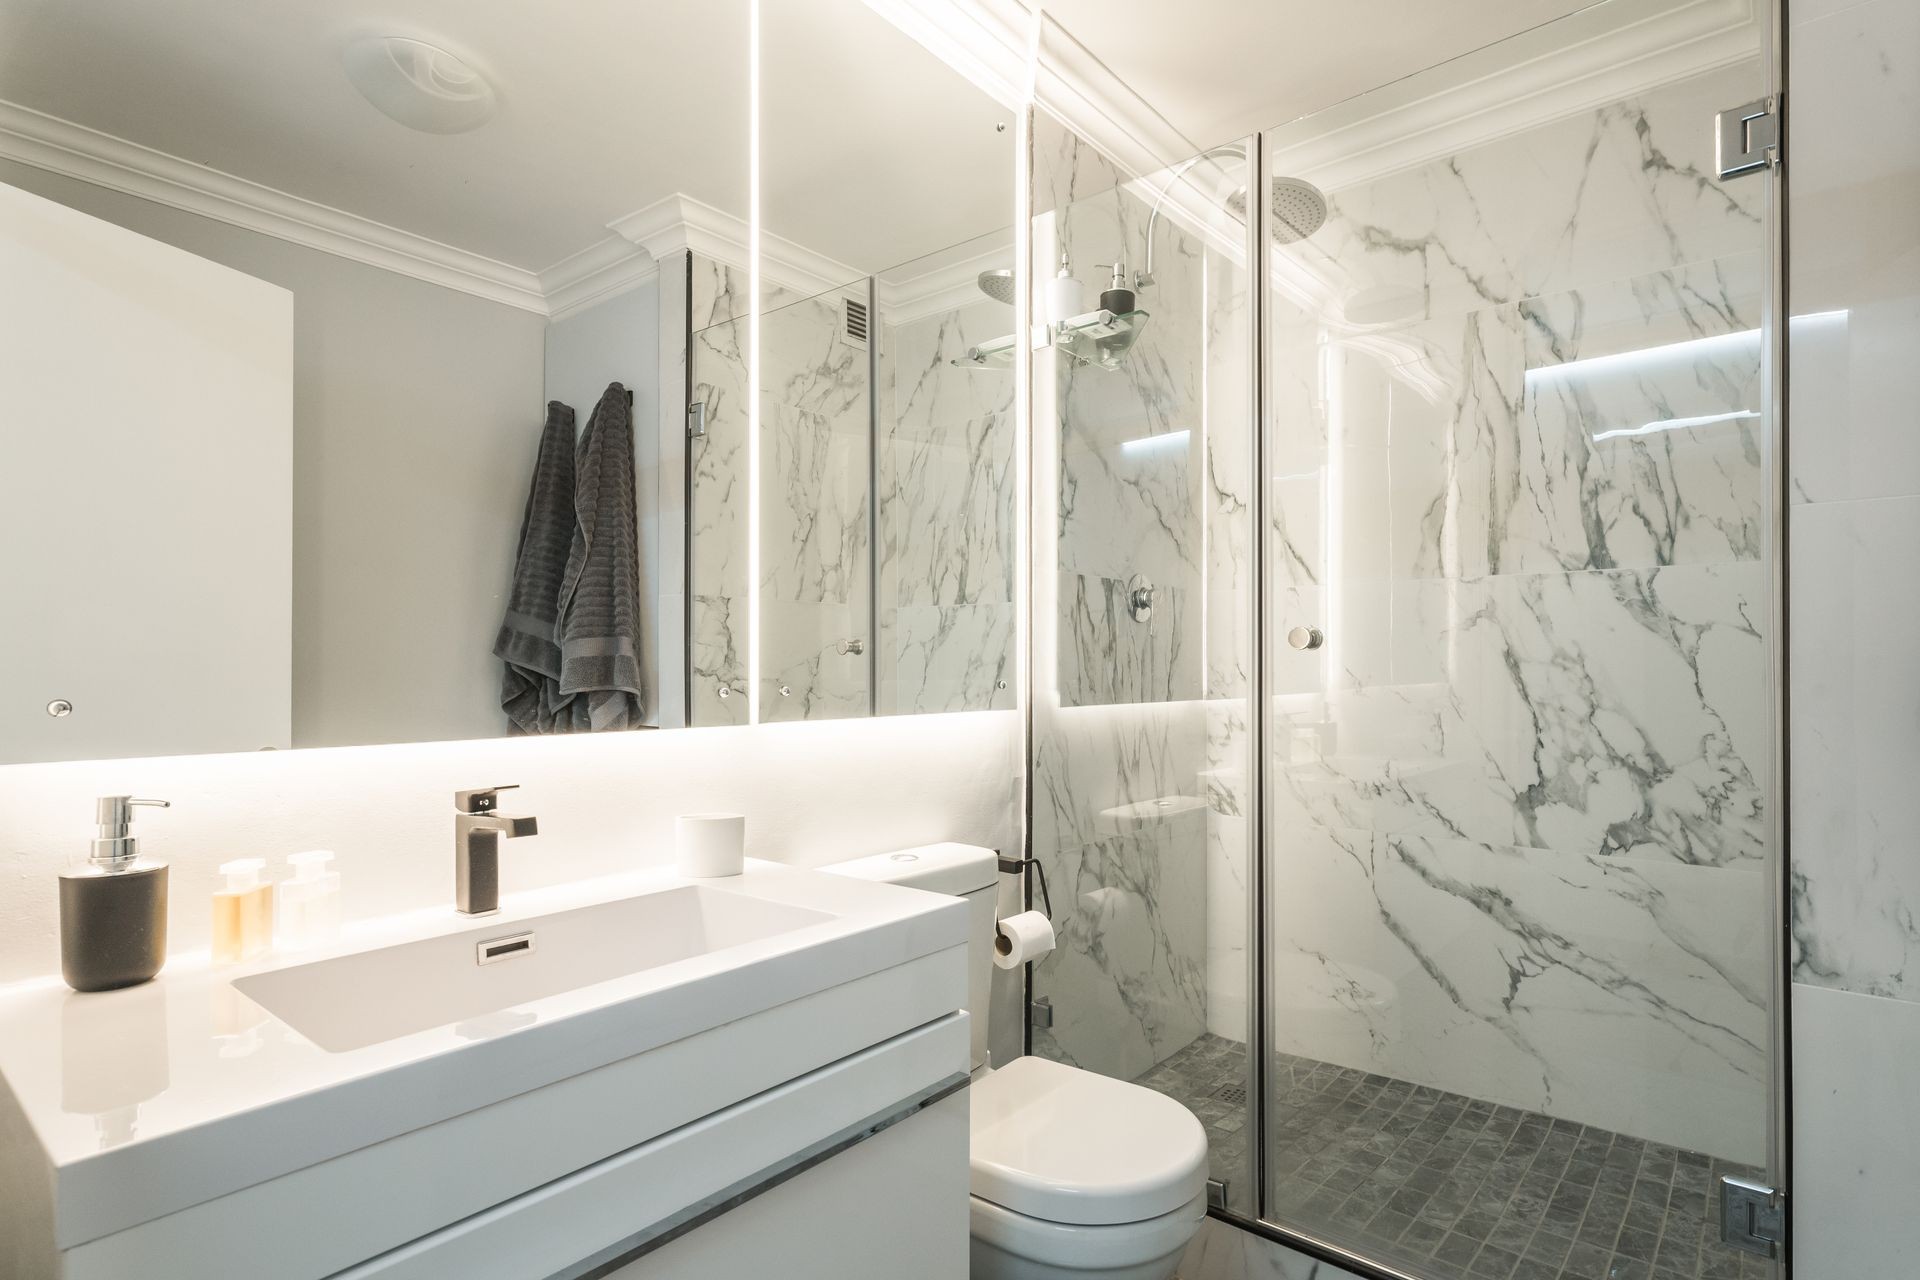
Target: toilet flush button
x,y
904,857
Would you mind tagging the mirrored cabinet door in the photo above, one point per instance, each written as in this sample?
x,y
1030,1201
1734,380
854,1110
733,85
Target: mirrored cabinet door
x,y
346,356
886,436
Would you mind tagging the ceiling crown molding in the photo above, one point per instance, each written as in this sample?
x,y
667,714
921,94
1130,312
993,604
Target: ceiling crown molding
x,y
679,223
74,151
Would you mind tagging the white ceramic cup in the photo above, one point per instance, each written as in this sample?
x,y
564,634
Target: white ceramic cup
x,y
710,844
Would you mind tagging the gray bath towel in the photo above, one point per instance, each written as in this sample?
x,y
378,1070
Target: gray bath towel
x,y
600,596
529,639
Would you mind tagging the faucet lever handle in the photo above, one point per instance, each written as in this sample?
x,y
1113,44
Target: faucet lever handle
x,y
481,799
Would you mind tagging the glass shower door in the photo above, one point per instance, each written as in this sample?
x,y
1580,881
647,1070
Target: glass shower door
x,y
1519,963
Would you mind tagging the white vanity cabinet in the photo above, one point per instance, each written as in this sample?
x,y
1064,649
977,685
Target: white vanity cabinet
x,y
793,1104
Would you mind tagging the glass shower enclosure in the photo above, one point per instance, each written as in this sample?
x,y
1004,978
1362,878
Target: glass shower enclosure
x,y
1403,716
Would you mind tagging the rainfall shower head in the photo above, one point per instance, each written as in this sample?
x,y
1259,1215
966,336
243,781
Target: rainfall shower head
x,y
1299,209
997,285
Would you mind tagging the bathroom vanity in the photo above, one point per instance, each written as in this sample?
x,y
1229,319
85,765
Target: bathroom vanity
x,y
635,1076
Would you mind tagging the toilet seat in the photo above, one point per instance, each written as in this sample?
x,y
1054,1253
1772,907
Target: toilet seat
x,y
1062,1145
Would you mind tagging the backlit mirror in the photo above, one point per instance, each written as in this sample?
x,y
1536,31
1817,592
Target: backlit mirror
x,y
379,374
886,386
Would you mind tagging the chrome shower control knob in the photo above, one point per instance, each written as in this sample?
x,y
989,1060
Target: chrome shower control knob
x,y
1306,638
786,691
725,692
59,708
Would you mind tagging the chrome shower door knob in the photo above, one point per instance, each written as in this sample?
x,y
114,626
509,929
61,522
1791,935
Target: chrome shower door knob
x,y
1306,638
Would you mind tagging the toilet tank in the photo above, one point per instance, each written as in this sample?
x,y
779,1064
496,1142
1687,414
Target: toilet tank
x,y
960,871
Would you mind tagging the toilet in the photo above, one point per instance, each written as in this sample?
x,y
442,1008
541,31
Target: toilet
x,y
1072,1173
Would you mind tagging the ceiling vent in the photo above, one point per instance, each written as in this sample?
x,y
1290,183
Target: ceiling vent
x,y
856,326
420,85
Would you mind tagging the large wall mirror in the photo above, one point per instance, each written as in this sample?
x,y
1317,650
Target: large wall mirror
x,y
886,571
380,374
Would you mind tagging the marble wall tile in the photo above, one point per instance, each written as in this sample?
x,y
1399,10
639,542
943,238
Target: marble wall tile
x,y
1539,212
1854,538
813,517
1856,1146
1518,795
1855,694
719,659
1509,974
1127,978
942,516
929,391
1108,656
946,658
946,513
1230,818
804,673
1855,250
944,470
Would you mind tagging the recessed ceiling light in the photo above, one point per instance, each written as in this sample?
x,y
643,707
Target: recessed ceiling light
x,y
418,84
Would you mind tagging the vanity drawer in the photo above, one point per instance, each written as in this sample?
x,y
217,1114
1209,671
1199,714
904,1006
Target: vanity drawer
x,y
731,1170
329,1217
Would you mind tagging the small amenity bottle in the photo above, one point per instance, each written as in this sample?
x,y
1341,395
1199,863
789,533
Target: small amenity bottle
x,y
309,901
242,912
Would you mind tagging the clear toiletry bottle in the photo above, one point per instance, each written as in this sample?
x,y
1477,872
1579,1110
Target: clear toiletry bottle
x,y
242,912
113,908
309,901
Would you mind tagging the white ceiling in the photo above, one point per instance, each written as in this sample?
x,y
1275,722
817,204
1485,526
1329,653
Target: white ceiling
x,y
1221,69
875,151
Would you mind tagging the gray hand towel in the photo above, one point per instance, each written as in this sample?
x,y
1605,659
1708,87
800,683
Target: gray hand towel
x,y
600,596
529,639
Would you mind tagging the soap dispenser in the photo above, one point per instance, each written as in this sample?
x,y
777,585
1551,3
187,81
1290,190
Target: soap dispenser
x,y
310,901
1117,298
113,909
242,912
1065,299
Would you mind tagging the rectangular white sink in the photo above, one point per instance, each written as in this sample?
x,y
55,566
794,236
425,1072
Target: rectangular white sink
x,y
352,1001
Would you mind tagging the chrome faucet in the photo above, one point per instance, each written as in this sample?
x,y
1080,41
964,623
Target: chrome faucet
x,y
477,830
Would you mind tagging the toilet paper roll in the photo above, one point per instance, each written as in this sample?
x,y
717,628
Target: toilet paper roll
x,y
710,844
1021,938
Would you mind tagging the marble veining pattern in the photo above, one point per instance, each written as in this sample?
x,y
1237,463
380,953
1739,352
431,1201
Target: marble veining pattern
x,y
1519,796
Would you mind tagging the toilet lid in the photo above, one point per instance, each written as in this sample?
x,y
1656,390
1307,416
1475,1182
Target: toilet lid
x,y
1064,1145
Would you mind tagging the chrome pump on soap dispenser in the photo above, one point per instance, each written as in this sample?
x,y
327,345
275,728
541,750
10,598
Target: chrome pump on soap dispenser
x,y
113,909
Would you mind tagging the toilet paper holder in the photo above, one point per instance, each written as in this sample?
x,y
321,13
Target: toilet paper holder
x,y
1016,866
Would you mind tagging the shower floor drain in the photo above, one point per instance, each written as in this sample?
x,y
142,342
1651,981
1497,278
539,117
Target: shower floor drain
x,y
1234,1095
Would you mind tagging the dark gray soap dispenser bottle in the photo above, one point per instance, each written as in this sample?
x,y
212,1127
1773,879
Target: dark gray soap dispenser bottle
x,y
113,908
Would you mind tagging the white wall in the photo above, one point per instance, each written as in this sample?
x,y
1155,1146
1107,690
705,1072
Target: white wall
x,y
1853,182
417,411
618,340
812,793
146,419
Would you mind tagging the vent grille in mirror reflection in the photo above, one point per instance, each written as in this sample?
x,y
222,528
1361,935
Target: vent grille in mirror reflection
x,y
856,322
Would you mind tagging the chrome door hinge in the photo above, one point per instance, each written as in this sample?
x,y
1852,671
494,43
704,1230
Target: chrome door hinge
x,y
697,420
1040,1013
1748,138
1753,1217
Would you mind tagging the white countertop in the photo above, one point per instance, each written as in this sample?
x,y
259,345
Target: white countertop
x,y
153,1098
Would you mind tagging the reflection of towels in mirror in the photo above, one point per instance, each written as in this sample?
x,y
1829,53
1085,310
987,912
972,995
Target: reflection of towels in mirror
x,y
600,594
529,640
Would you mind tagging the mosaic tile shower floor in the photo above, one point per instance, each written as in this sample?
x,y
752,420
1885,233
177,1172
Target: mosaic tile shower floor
x,y
1450,1186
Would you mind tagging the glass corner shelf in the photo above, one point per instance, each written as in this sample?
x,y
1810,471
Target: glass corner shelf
x,y
1100,338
